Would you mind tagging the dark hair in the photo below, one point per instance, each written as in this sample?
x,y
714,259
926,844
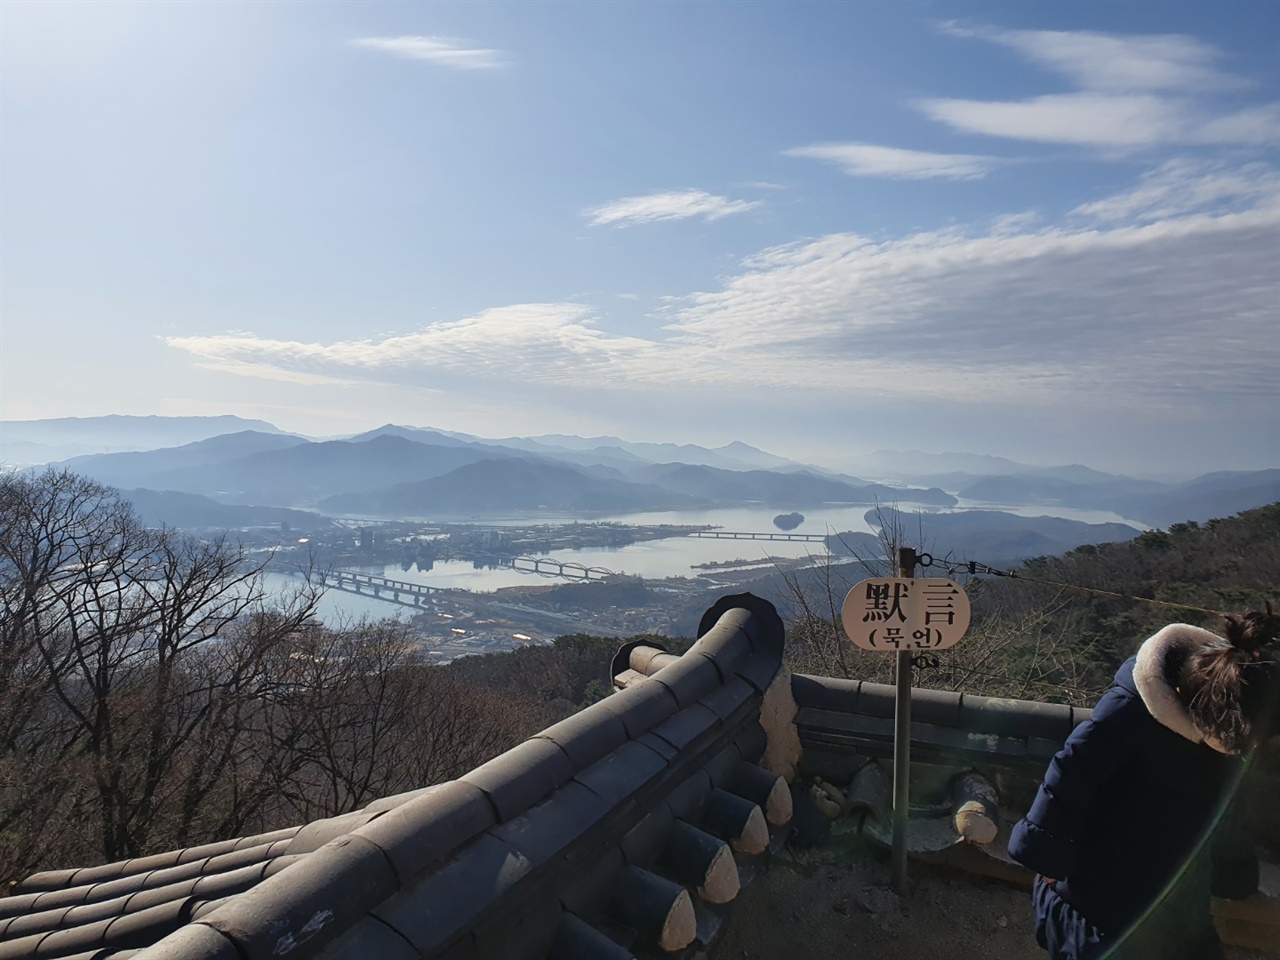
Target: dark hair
x,y
1231,687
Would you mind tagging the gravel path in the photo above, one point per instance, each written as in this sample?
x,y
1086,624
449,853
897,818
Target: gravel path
x,y
838,904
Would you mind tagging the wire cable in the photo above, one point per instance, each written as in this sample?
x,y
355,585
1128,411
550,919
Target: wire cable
x,y
974,567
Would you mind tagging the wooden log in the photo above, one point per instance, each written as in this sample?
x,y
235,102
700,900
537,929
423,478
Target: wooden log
x,y
701,861
975,807
736,820
660,911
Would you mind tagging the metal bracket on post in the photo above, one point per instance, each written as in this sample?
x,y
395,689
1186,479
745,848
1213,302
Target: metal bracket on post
x,y
902,745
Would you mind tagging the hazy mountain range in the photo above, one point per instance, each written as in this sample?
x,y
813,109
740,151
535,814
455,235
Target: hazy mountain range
x,y
990,536
29,442
413,471
169,508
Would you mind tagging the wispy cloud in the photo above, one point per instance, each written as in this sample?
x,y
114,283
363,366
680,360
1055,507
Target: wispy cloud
x,y
446,51
1137,300
1181,186
1111,62
869,160
1132,92
1132,313
674,205
536,341
1093,119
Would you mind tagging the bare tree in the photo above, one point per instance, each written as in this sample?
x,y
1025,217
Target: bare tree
x,y
152,695
100,624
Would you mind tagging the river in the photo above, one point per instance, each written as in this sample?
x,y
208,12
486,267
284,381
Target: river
x,y
657,559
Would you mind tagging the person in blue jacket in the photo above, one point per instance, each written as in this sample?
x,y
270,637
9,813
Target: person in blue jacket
x,y
1118,829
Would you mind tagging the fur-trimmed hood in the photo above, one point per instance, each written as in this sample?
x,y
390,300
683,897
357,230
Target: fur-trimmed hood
x,y
1160,698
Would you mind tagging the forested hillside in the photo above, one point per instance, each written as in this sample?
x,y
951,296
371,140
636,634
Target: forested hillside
x,y
1060,627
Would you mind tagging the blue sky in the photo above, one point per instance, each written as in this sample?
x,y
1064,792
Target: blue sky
x,y
1049,231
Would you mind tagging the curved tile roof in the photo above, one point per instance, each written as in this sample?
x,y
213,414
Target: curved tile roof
x,y
605,835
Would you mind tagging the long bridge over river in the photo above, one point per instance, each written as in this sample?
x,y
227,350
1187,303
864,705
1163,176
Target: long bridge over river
x,y
410,594
768,535
403,592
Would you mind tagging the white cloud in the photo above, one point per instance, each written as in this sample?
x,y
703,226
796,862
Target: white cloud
x,y
1013,223
1095,119
1176,311
1111,62
1181,186
442,50
1128,315
868,160
1132,92
541,342
674,205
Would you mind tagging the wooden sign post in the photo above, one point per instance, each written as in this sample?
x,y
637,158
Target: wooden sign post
x,y
903,614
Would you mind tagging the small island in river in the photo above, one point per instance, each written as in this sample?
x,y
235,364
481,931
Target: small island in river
x,y
788,521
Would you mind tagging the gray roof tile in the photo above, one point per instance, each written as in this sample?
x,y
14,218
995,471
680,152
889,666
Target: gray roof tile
x,y
195,941
687,800
587,736
730,698
271,837
479,867
204,851
548,828
47,880
752,741
689,679
429,828
517,779
41,922
441,905
370,938
319,832
727,649
756,616
312,902
643,842
658,745
622,772
147,926
577,940
640,707
690,725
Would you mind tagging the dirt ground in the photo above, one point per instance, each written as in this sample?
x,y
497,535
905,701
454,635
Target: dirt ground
x,y
839,905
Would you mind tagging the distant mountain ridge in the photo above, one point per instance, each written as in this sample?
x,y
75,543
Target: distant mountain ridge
x,y
192,511
780,489
266,466
290,476
25,442
1221,494
988,536
505,486
118,468
732,456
